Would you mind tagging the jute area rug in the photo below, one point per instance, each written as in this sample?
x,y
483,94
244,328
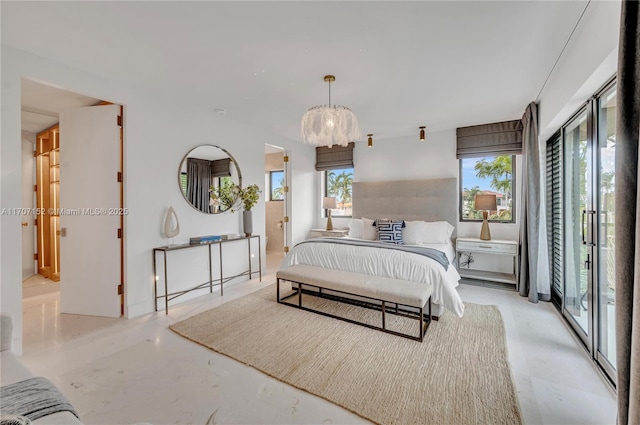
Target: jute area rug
x,y
458,375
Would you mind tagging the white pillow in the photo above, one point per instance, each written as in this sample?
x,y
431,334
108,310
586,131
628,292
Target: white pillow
x,y
369,231
355,228
412,232
436,232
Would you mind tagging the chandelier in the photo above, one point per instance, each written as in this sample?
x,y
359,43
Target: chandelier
x,y
324,125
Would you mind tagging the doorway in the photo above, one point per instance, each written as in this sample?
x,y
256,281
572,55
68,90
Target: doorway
x,y
276,193
67,133
581,191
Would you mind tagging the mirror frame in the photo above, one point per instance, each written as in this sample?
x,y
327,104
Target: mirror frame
x,y
184,158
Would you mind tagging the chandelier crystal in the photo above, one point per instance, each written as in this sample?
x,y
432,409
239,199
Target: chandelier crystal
x,y
324,125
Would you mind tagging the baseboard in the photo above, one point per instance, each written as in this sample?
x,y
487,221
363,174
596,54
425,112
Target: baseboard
x,y
138,309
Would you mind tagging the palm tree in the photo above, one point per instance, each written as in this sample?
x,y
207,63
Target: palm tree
x,y
499,170
470,200
331,183
340,186
278,192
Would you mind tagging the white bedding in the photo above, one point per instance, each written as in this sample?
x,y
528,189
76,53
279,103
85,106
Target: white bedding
x,y
447,248
385,263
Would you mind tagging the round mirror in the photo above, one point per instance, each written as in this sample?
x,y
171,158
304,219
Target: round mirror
x,y
207,177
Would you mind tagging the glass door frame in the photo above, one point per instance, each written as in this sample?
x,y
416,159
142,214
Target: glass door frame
x,y
590,339
596,224
585,337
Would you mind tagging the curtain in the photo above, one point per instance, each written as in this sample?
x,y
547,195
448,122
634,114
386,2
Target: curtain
x,y
627,203
198,183
534,267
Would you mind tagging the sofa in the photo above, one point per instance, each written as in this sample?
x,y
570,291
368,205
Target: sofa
x,y
14,371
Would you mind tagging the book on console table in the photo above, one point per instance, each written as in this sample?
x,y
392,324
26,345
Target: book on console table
x,y
204,239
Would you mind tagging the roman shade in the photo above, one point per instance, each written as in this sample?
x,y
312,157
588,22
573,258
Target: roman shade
x,y
499,138
221,167
335,157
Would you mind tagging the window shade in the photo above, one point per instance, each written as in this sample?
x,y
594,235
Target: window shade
x,y
499,138
335,157
221,167
554,210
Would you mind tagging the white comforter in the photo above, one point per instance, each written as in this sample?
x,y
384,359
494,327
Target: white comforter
x,y
385,263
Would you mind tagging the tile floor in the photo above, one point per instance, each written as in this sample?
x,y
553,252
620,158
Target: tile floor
x,y
118,371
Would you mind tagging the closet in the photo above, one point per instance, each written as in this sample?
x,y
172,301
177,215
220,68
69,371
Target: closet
x,y
47,190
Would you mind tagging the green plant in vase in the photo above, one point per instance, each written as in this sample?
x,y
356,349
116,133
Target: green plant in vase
x,y
224,195
248,199
249,196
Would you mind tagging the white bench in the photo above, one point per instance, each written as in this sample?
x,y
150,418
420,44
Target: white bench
x,y
380,290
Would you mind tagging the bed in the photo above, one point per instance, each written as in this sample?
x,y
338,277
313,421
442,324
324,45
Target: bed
x,y
425,207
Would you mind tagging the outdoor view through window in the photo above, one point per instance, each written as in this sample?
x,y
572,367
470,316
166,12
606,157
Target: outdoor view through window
x,y
338,184
276,184
488,175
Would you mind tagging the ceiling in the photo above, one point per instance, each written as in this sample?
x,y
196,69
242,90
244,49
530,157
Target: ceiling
x,y
398,65
41,104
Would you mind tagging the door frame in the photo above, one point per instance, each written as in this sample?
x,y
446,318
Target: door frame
x,y
120,180
591,340
584,337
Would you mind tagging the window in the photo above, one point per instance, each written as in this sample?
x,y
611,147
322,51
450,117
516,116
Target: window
x,y
487,175
183,182
337,183
276,185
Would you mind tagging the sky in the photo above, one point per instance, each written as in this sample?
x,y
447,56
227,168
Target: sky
x,y
469,178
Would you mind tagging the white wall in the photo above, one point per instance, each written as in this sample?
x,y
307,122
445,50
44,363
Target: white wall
x,y
589,60
408,159
301,181
158,132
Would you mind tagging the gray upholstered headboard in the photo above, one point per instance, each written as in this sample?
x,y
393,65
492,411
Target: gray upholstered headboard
x,y
428,200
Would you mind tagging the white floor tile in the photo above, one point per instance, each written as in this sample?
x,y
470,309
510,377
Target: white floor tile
x,y
118,371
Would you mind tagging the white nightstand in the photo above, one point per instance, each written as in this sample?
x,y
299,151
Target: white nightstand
x,y
339,233
494,246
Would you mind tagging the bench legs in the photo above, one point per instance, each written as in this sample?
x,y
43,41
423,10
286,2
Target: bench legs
x,y
424,324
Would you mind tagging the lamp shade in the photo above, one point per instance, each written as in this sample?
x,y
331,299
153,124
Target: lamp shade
x,y
486,202
329,203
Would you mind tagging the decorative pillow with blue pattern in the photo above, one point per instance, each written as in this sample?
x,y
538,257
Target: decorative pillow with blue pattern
x,y
390,231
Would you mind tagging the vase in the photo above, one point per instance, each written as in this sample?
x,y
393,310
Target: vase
x,y
171,224
247,223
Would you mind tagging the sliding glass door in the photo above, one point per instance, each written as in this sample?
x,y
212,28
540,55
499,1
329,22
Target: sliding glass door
x,y
605,222
580,194
578,256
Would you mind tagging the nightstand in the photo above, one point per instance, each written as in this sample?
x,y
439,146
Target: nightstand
x,y
495,247
338,233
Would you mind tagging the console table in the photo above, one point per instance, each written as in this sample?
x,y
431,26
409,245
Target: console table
x,y
211,282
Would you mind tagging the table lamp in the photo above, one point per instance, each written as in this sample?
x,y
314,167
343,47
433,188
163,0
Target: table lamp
x,y
485,203
329,203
